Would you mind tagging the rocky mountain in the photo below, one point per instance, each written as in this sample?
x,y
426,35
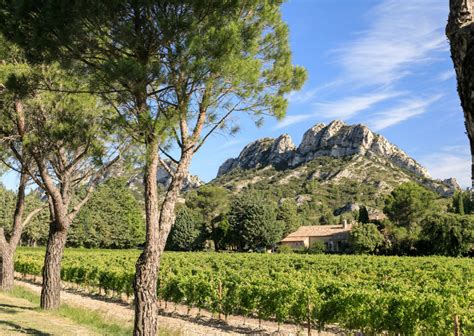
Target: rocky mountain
x,y
135,177
164,179
367,156
334,140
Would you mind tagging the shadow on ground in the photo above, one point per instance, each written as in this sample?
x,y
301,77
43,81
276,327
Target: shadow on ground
x,y
27,331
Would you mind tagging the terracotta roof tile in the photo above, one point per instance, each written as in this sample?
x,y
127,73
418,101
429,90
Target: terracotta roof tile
x,y
294,239
319,231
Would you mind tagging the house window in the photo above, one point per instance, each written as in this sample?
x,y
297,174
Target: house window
x,y
330,245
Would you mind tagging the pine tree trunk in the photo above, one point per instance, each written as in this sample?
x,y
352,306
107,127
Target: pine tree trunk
x,y
158,226
146,304
7,270
460,32
51,289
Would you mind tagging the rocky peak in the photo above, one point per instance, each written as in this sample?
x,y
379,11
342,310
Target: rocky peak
x,y
310,139
261,153
164,179
281,150
336,139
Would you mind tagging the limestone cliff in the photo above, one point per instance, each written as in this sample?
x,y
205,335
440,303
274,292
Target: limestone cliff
x,y
334,140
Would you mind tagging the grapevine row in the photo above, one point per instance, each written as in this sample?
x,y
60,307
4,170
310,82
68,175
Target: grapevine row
x,y
400,295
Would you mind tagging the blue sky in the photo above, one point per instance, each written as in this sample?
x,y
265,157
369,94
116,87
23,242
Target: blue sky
x,y
382,63
385,64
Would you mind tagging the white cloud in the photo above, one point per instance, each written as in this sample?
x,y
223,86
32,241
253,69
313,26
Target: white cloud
x,y
342,109
230,144
402,36
405,110
404,33
458,149
351,106
305,95
302,96
293,119
444,76
444,165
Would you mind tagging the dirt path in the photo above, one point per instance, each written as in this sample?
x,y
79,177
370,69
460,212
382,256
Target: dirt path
x,y
176,318
19,317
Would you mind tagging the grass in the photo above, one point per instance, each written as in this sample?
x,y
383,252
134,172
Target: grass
x,y
91,319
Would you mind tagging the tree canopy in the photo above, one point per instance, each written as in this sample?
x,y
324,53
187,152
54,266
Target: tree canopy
x,y
112,218
253,222
408,204
365,238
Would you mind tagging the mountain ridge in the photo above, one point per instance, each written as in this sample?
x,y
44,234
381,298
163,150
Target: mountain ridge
x,y
337,139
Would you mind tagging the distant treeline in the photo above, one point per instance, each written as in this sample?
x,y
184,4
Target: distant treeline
x,y
212,218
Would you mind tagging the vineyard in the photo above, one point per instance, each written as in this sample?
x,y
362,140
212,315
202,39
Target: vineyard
x,y
432,295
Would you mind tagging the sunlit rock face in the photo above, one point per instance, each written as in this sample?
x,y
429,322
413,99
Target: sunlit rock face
x,y
336,139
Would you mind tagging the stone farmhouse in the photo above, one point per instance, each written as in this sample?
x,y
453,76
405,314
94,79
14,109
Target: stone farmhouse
x,y
334,236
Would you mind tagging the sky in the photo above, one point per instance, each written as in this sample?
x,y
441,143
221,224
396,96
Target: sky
x,y
382,63
385,64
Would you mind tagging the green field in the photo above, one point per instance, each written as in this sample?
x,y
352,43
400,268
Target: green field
x,y
403,295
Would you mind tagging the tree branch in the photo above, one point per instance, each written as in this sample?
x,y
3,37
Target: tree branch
x,y
168,155
218,124
166,167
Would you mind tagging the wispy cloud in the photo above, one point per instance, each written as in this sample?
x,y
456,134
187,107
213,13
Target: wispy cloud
x,y
341,109
305,95
407,109
404,33
347,108
446,75
293,119
458,149
401,37
444,165
231,143
302,96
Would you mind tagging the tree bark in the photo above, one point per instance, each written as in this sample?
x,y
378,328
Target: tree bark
x,y
51,289
460,32
146,304
157,230
7,270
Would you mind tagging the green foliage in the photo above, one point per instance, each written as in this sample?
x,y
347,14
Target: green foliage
x,y
317,247
253,223
288,215
401,240
365,238
185,234
212,202
7,208
363,216
393,295
284,249
112,218
407,205
461,203
447,234
36,232
326,217
322,196
236,50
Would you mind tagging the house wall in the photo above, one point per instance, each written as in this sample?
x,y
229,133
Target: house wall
x,y
330,241
297,244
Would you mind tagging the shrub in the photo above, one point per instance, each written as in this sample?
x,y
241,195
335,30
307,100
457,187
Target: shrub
x,y
317,247
284,249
